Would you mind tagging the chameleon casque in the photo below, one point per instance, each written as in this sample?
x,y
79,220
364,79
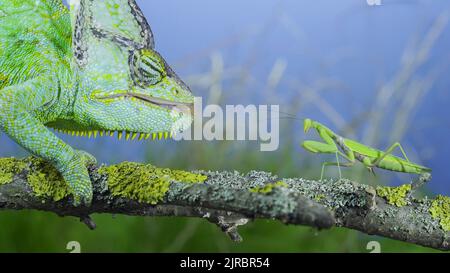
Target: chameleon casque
x,y
91,70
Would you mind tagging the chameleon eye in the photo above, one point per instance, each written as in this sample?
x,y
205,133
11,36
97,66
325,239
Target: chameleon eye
x,y
147,68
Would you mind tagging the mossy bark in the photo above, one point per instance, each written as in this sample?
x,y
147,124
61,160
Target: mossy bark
x,y
230,199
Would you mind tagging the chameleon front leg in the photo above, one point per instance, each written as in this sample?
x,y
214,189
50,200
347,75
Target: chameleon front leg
x,y
20,121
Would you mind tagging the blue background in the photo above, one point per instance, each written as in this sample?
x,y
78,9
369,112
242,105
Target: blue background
x,y
356,46
335,59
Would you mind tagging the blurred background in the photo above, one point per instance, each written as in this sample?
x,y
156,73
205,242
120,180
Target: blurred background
x,y
378,74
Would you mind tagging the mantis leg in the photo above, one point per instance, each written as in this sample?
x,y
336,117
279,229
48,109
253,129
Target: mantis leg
x,y
389,152
350,163
329,147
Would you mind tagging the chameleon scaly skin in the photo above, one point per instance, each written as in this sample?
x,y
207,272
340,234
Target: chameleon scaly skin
x,y
93,70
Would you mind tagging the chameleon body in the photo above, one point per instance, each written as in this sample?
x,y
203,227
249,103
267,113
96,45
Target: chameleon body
x,y
91,70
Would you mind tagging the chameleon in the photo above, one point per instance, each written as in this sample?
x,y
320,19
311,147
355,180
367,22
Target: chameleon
x,y
89,70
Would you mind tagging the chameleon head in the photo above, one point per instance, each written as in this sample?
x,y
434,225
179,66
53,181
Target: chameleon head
x,y
154,100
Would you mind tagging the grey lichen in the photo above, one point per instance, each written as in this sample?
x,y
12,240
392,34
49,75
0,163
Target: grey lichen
x,y
334,194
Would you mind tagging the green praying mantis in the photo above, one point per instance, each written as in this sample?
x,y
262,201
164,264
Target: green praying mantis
x,y
354,151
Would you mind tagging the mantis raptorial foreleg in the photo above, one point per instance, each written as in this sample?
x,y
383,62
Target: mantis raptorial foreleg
x,y
389,152
329,147
320,147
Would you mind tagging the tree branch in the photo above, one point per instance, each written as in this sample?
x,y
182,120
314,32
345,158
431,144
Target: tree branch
x,y
230,199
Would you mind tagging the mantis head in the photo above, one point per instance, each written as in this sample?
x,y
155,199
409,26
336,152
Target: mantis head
x,y
307,124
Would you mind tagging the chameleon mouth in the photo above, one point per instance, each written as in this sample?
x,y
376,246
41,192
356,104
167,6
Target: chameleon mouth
x,y
183,107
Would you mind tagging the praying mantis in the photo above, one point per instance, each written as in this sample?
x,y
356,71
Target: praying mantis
x,y
354,151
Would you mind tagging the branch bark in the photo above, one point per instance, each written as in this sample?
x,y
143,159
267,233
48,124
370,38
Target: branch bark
x,y
226,200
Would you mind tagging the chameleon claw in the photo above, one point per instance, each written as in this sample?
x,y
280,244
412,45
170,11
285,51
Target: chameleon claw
x,y
86,157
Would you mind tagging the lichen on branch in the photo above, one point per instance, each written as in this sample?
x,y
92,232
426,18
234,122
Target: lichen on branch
x,y
395,195
440,210
144,183
229,199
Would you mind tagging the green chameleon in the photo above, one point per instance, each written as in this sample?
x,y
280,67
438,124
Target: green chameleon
x,y
91,70
352,151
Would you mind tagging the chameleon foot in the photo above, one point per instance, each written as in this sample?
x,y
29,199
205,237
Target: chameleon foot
x,y
77,177
86,157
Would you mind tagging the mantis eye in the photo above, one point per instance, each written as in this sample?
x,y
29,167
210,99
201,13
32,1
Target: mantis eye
x,y
147,67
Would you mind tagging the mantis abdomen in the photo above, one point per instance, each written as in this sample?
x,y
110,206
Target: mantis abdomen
x,y
399,165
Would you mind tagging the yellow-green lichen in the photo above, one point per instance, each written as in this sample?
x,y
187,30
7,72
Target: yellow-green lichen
x,y
144,183
319,197
440,210
268,188
46,181
8,168
395,195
